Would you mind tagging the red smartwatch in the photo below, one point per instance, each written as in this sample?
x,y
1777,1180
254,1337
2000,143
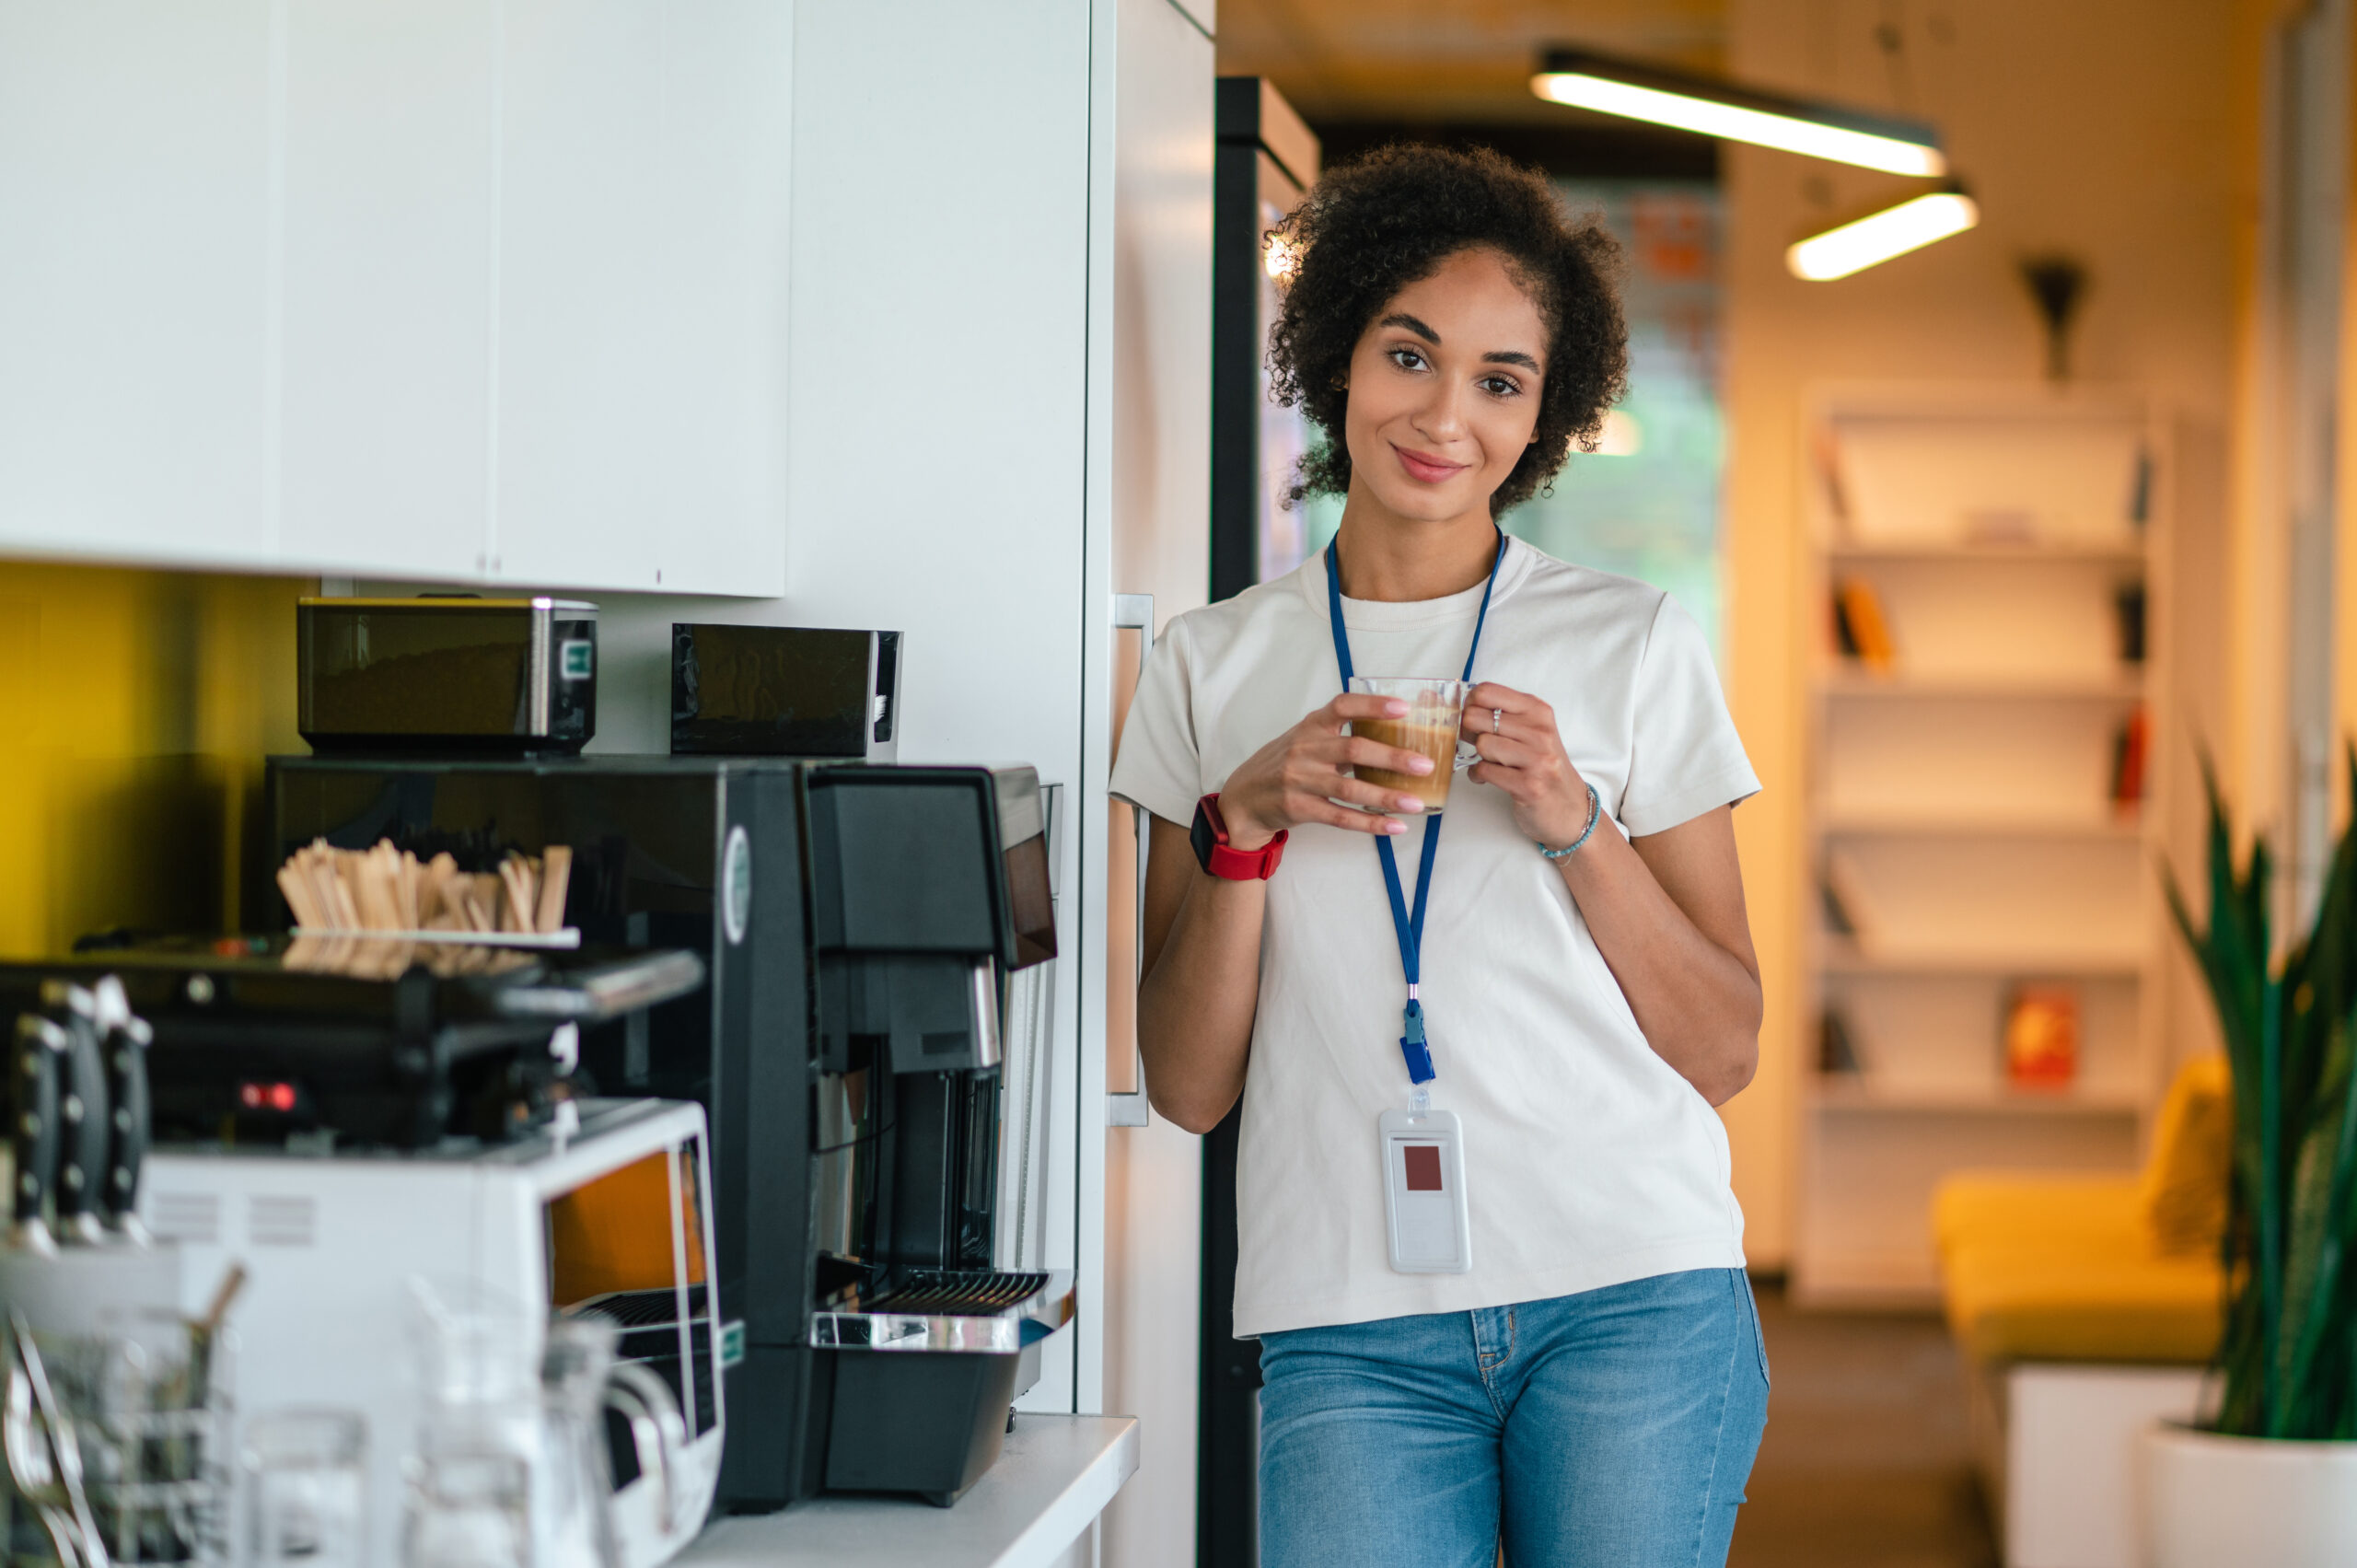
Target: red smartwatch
x,y
1221,858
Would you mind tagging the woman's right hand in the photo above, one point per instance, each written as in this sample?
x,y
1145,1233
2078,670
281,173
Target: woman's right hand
x,y
1298,777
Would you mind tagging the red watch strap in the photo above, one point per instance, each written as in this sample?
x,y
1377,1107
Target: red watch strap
x,y
1239,864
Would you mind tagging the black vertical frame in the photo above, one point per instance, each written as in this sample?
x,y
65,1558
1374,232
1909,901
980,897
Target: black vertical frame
x,y
1236,338
1228,1424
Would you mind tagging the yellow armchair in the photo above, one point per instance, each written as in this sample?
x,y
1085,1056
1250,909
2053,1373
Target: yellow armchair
x,y
2073,1267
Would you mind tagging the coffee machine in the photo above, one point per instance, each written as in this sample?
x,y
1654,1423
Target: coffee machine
x,y
876,940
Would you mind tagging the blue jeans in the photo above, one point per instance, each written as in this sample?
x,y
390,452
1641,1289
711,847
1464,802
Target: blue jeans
x,y
1610,1429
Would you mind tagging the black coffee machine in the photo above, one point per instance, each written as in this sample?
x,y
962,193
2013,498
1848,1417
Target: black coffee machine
x,y
864,929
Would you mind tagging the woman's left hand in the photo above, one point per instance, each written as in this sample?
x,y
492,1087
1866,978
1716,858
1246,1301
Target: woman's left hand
x,y
1523,754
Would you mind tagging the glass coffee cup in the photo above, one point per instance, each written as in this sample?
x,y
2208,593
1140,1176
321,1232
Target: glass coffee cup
x,y
1435,715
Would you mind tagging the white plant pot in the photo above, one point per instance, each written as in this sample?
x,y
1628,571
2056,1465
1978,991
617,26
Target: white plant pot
x,y
2213,1502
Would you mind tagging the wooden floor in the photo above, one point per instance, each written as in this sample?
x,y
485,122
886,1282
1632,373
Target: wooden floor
x,y
1866,1463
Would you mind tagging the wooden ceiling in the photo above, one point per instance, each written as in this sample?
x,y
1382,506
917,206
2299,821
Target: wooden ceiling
x,y
1448,60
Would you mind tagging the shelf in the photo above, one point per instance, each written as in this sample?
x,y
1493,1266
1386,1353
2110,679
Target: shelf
x,y
1844,957
1924,824
2099,688
2130,552
1858,1092
1959,812
1054,1477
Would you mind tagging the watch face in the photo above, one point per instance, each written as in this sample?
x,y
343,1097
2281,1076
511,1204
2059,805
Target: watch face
x,y
1201,836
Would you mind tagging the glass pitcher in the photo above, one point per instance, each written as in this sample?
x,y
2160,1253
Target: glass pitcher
x,y
581,1381
511,1469
470,1478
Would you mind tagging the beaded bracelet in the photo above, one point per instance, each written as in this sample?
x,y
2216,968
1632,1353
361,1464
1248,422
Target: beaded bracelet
x,y
1573,848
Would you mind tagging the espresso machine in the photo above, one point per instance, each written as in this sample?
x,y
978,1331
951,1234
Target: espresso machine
x,y
876,940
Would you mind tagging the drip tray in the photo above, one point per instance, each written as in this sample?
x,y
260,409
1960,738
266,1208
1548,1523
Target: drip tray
x,y
919,1387
952,1310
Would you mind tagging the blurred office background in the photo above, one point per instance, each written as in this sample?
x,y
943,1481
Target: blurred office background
x,y
2184,162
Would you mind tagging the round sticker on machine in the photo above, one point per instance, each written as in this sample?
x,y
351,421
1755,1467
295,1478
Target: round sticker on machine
x,y
735,884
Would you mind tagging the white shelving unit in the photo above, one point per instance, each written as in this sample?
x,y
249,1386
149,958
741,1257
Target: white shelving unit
x,y
1960,803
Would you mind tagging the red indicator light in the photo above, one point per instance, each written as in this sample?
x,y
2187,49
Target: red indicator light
x,y
266,1096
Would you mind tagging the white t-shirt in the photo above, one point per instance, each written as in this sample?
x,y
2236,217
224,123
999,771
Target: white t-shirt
x,y
1589,1161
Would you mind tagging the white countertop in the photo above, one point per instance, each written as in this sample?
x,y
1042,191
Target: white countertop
x,y
1056,1474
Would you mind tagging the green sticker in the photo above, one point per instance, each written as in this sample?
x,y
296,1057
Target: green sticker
x,y
736,885
732,1344
575,657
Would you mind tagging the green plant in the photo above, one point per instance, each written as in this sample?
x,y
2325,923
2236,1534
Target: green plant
x,y
2288,1354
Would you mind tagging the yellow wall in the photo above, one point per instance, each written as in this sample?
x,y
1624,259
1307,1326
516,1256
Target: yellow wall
x,y
2122,131
135,708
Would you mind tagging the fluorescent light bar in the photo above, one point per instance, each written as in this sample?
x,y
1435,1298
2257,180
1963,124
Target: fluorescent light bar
x,y
1894,231
1738,114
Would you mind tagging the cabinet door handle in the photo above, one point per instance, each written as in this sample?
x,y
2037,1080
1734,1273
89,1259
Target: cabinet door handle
x,y
1134,612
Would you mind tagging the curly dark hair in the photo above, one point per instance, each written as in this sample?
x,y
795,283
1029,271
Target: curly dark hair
x,y
1375,224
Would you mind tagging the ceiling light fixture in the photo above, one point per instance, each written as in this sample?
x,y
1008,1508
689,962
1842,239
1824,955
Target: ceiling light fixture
x,y
1711,107
1894,231
1279,259
1621,436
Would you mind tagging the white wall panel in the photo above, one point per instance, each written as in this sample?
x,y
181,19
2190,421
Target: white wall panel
x,y
390,193
1159,410
1000,330
935,438
643,270
133,234
577,499
721,224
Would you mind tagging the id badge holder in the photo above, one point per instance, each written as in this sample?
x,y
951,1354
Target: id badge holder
x,y
1424,1192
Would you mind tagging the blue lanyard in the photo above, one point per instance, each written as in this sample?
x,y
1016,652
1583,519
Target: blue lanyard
x,y
1408,926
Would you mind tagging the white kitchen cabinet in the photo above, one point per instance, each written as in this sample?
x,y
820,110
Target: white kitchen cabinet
x,y
467,290
133,333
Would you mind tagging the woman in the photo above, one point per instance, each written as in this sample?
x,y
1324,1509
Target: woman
x,y
1583,1379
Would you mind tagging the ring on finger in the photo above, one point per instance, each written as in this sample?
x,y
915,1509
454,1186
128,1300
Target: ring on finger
x,y
1497,720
